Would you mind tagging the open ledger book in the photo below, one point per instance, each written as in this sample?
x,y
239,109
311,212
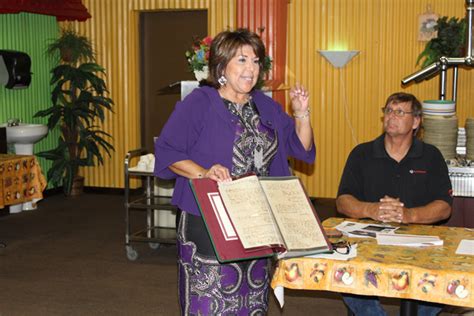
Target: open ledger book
x,y
255,217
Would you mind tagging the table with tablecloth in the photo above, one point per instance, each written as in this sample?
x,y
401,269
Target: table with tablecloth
x,y
433,273
21,179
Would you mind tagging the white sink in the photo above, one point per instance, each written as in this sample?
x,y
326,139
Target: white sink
x,y
24,136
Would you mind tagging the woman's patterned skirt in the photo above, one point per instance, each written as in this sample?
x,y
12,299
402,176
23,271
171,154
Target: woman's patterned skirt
x,y
207,287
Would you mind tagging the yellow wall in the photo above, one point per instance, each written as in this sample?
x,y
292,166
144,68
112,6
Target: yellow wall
x,y
113,30
385,32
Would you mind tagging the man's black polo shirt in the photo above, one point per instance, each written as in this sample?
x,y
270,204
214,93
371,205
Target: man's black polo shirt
x,y
418,179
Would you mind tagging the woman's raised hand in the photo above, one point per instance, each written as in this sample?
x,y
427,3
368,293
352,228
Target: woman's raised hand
x,y
299,100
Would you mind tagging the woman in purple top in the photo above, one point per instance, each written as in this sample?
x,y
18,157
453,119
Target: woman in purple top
x,y
223,129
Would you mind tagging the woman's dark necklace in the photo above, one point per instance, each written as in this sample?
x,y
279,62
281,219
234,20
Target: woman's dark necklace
x,y
259,141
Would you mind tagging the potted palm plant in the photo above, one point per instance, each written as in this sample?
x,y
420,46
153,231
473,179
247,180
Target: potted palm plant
x,y
450,42
79,101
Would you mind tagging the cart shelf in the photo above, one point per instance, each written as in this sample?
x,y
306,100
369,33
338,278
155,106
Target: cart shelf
x,y
147,203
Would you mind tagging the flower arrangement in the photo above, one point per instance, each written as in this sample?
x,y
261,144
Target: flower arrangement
x,y
198,59
198,56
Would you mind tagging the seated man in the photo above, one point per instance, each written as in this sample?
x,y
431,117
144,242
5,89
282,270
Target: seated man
x,y
395,178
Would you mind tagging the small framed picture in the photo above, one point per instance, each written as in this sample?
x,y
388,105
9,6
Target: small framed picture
x,y
426,26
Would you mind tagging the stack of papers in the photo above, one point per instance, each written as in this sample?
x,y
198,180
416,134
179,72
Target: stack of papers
x,y
385,235
466,247
363,230
408,240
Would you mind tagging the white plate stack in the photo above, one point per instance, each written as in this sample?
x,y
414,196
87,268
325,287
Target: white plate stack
x,y
440,126
441,132
445,108
469,138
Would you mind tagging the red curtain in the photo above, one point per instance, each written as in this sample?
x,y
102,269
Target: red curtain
x,y
268,18
63,10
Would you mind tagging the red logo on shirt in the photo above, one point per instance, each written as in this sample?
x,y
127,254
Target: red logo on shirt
x,y
417,171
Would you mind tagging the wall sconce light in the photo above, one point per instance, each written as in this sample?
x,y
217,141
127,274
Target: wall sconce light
x,y
338,58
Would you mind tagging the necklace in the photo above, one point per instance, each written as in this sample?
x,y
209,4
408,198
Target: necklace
x,y
250,126
237,104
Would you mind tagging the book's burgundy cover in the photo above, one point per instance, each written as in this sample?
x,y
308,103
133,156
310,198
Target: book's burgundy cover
x,y
226,250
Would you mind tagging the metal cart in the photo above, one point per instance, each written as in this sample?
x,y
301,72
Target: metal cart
x,y
149,203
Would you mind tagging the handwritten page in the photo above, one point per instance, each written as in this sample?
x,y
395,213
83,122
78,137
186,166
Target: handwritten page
x,y
250,212
293,213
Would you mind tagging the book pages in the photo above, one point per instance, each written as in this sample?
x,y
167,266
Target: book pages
x,y
293,214
250,212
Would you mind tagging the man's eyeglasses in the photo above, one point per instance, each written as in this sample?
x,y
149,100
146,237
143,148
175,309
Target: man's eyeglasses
x,y
397,112
342,247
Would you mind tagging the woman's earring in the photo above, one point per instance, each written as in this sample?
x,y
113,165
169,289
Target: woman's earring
x,y
222,80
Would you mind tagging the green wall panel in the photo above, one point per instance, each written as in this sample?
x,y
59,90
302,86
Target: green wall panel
x,y
29,33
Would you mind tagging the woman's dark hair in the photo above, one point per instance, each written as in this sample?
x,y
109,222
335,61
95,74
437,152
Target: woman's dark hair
x,y
225,46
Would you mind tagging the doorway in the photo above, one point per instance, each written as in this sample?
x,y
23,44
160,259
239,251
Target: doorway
x,y
164,38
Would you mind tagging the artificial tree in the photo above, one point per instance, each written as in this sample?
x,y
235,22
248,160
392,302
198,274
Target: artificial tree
x,y
79,101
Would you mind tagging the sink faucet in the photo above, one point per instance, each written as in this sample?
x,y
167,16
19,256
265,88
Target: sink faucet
x,y
13,122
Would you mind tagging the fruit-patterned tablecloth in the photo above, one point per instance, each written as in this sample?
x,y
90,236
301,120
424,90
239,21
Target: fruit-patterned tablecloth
x,y
434,274
21,179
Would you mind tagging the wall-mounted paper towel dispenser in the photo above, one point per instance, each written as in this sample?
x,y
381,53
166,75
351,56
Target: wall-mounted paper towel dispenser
x,y
15,69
